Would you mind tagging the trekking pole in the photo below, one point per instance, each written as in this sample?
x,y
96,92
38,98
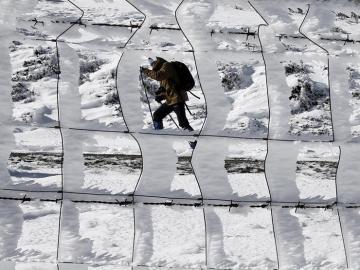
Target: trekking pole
x,y
147,98
194,95
172,119
187,108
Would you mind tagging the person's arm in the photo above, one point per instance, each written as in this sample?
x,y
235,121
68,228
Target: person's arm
x,y
160,94
158,75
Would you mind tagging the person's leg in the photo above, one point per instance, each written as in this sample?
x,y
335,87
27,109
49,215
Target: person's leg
x,y
160,114
179,109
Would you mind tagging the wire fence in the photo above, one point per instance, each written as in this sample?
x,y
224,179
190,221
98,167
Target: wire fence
x,y
135,200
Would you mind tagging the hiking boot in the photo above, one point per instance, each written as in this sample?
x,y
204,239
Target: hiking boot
x,y
193,144
188,128
158,125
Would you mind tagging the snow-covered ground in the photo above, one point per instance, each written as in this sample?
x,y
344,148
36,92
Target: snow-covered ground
x,y
268,179
35,165
34,81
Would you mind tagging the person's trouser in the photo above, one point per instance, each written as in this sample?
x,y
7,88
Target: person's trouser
x,y
178,108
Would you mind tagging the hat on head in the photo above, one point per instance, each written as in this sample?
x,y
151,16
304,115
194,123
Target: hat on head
x,y
158,63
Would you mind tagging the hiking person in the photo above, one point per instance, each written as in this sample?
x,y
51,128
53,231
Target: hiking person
x,y
175,98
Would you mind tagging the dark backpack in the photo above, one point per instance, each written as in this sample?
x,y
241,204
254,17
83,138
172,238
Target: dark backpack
x,y
186,80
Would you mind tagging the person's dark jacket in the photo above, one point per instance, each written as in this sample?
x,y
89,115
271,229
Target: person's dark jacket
x,y
165,73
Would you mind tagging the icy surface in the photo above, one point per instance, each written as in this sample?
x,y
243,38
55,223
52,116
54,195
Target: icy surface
x,y
348,173
185,177
281,170
350,219
178,179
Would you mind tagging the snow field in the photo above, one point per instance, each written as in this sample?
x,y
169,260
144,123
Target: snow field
x,y
81,241
230,243
35,165
302,235
77,133
29,231
169,237
34,82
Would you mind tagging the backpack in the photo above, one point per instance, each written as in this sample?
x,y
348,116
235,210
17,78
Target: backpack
x,y
186,80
